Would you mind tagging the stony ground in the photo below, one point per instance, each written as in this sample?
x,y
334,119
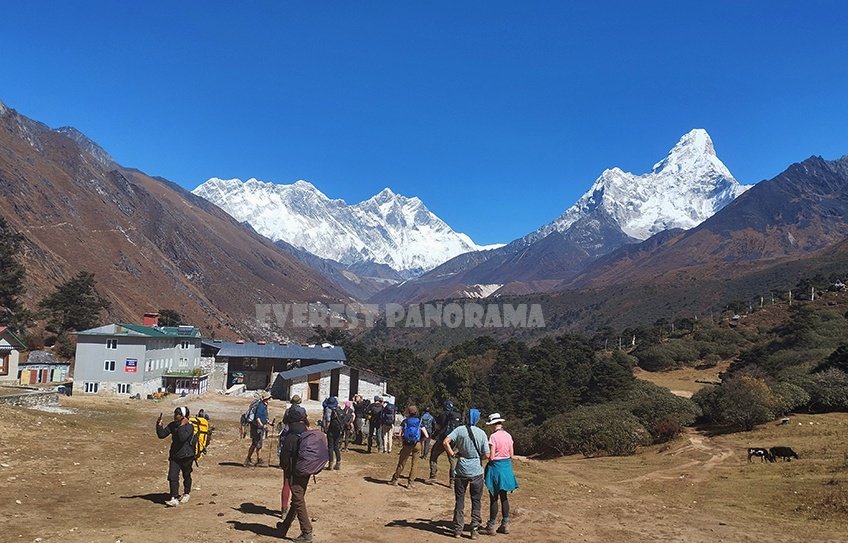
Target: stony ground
x,y
98,474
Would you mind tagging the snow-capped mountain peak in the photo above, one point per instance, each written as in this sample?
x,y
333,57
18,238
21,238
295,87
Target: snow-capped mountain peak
x,y
682,190
387,228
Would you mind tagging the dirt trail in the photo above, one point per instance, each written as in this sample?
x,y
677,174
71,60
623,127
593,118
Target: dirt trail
x,y
99,475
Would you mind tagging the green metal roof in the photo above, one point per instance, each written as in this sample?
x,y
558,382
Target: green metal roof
x,y
128,329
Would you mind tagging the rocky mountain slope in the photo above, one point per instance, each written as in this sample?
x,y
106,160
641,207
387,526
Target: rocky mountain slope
x,y
150,243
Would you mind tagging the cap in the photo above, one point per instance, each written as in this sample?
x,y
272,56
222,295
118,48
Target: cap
x,y
295,398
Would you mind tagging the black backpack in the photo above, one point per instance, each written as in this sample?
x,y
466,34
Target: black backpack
x,y
336,421
454,421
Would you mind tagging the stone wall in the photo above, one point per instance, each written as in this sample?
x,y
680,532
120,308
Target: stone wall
x,y
31,398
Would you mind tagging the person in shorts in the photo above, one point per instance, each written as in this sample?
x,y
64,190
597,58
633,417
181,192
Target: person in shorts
x,y
257,431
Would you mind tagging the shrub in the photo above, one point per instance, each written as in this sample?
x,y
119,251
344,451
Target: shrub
x,y
742,402
651,404
665,430
791,397
829,390
593,431
525,437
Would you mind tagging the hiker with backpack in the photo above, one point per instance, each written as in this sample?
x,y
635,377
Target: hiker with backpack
x,y
348,420
180,455
303,455
387,425
293,418
427,422
469,445
360,411
499,477
411,433
375,423
334,426
257,418
445,424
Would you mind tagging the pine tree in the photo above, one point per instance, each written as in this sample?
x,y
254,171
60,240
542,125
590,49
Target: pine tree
x,y
170,317
74,305
12,273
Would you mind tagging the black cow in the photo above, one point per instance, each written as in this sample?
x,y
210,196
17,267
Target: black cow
x,y
783,452
763,453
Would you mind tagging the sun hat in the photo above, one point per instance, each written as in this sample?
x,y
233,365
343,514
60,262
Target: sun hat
x,y
295,398
494,418
264,396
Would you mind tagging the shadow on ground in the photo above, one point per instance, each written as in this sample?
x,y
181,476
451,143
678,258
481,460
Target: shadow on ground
x,y
253,509
258,529
154,497
440,527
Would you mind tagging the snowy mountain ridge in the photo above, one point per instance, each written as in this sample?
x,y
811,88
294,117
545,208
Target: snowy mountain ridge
x,y
387,228
681,191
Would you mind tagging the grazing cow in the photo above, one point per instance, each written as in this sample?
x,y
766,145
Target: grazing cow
x,y
763,453
783,452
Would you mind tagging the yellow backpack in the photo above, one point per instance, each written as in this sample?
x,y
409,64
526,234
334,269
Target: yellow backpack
x,y
202,436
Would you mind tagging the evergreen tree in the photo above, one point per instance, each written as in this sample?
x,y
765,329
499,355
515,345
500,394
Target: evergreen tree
x,y
12,312
170,317
74,305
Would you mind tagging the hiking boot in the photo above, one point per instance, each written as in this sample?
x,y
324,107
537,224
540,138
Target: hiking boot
x,y
173,502
503,528
474,533
394,481
457,535
185,498
260,463
489,529
337,467
303,538
248,463
410,485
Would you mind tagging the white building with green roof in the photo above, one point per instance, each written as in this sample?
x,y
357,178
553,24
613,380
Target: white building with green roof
x,y
128,359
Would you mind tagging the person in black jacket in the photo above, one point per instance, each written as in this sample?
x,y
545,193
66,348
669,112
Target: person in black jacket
x,y
298,483
181,455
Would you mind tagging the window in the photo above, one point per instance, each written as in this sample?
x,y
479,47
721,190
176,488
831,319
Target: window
x,y
90,388
183,362
185,345
148,365
4,364
111,343
250,363
123,388
109,365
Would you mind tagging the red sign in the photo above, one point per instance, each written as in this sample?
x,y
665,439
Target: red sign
x,y
131,365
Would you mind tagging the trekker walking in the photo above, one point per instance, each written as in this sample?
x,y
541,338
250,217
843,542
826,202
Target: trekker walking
x,y
348,418
360,410
298,483
375,423
292,418
257,431
469,445
411,434
499,477
181,454
388,426
445,424
334,428
427,422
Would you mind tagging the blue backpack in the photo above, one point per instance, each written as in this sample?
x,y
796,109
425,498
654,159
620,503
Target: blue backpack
x,y
388,416
412,430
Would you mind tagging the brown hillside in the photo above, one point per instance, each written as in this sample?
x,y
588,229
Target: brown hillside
x,y
150,243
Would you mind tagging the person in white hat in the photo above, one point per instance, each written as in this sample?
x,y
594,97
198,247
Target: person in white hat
x,y
499,477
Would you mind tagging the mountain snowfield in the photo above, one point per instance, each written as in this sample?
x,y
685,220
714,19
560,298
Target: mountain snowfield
x,y
681,191
387,228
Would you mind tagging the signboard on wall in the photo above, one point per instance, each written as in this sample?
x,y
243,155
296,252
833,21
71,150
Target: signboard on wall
x,y
131,365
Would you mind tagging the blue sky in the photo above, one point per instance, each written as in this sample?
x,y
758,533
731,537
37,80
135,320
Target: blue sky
x,y
499,115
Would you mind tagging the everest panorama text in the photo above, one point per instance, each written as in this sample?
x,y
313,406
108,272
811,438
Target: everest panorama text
x,y
353,316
